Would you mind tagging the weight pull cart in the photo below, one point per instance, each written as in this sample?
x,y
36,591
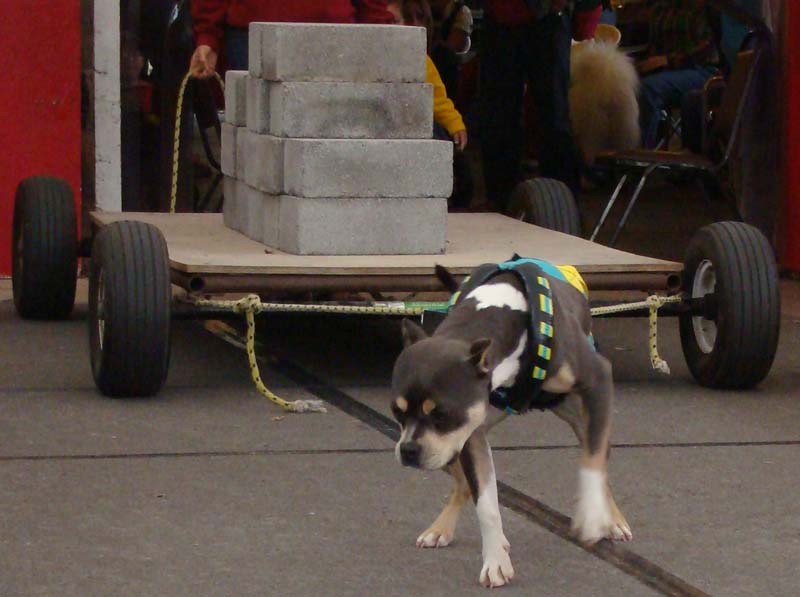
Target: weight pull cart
x,y
726,291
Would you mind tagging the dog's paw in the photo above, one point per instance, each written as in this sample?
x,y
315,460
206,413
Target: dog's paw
x,y
497,569
435,537
620,530
592,522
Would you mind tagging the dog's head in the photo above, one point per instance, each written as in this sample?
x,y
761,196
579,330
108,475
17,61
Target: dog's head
x,y
439,396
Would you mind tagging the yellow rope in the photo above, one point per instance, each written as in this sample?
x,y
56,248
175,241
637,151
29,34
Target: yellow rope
x,y
297,406
653,303
251,305
176,142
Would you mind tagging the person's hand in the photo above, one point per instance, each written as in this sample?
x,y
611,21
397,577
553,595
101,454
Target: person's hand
x,y
204,62
460,139
652,63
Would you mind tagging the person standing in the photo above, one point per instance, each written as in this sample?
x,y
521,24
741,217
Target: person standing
x,y
525,41
221,25
452,27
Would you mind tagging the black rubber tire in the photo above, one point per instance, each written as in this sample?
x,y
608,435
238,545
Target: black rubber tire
x,y
44,248
129,310
747,299
547,203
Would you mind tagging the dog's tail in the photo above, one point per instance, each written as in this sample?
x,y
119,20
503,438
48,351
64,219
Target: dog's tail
x,y
446,278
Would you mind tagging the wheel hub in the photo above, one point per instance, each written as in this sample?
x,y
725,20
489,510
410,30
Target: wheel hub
x,y
705,283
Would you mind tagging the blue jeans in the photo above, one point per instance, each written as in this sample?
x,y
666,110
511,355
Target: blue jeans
x,y
236,48
665,90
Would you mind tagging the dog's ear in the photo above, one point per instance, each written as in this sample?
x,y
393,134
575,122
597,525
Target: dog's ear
x,y
479,355
412,333
447,279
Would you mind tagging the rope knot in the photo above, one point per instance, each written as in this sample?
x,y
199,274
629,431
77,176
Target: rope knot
x,y
249,304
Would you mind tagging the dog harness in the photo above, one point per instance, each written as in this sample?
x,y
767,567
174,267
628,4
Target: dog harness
x,y
527,390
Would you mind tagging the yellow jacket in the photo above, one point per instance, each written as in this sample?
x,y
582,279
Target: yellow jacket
x,y
444,112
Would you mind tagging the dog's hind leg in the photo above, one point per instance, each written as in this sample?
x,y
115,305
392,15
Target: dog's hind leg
x,y
588,413
442,530
478,465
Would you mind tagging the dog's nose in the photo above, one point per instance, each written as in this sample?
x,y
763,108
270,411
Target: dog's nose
x,y
409,453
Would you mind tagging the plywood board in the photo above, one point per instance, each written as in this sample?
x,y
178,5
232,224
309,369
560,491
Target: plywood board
x,y
201,243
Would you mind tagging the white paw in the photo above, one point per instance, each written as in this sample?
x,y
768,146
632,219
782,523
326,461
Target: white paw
x,y
497,569
620,531
435,538
592,521
504,542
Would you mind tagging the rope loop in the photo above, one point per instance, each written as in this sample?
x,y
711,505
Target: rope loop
x,y
176,141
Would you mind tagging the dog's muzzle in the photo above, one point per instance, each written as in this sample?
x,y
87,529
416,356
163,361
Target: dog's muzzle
x,y
409,454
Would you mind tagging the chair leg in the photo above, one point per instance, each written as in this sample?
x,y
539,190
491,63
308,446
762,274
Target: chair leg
x,y
648,171
609,205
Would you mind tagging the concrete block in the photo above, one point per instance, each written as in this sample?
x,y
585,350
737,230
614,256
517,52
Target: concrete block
x,y
250,203
351,110
229,206
254,51
363,226
240,208
236,97
337,52
261,161
257,105
228,149
368,168
270,228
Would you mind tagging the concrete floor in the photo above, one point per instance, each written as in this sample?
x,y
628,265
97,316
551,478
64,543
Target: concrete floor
x,y
208,489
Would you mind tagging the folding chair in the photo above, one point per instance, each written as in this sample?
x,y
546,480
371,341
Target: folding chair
x,y
719,136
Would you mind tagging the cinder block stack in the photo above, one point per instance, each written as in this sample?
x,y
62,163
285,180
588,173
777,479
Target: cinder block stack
x,y
327,147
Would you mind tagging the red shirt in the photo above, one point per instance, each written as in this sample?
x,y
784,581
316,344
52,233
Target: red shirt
x,y
211,16
508,12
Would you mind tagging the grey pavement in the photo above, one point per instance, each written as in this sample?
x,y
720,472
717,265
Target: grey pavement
x,y
208,489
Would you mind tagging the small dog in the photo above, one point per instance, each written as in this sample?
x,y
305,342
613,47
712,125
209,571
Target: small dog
x,y
485,351
602,99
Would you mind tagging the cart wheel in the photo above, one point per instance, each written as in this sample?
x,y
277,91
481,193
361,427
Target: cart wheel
x,y
733,343
44,251
547,203
129,309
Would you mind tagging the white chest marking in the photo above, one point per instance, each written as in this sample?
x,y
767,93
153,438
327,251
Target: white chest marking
x,y
506,371
499,295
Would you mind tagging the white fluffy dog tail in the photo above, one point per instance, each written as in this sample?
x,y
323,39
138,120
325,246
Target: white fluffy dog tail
x,y
605,113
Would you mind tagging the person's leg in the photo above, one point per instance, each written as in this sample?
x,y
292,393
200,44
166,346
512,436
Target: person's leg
x,y
501,84
664,91
446,62
548,76
236,48
651,104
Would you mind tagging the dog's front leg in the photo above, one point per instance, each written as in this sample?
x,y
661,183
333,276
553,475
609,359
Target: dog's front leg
x,y
478,466
443,529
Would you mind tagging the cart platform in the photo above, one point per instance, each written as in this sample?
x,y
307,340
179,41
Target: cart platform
x,y
205,255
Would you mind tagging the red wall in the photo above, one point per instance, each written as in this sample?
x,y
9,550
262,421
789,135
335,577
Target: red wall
x,y
39,100
791,257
